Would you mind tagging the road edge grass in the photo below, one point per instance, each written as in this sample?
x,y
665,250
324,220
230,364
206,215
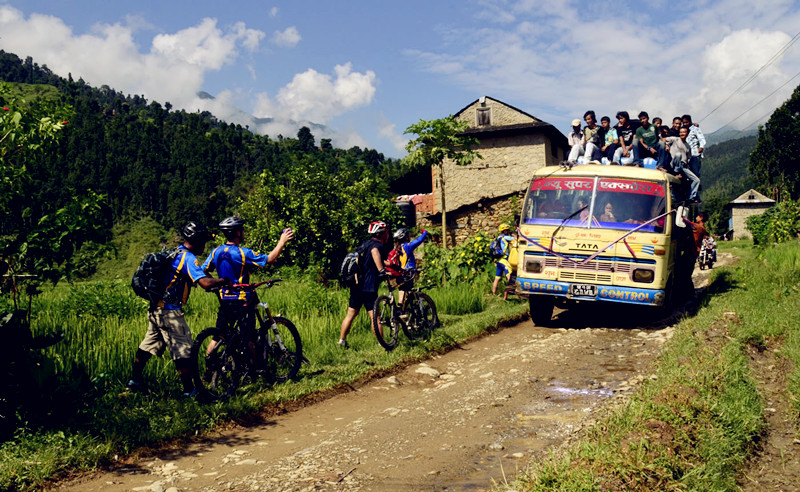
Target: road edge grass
x,y
694,424
38,459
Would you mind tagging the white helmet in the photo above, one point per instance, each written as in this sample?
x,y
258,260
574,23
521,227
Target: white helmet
x,y
376,227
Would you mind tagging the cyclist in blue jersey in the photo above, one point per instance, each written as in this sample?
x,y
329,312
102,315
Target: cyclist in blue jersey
x,y
502,266
406,247
166,324
405,255
234,262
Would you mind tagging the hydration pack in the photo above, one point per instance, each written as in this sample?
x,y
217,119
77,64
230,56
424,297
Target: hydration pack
x,y
350,271
148,280
496,248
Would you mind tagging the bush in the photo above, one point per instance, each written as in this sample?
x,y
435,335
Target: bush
x,y
778,224
466,262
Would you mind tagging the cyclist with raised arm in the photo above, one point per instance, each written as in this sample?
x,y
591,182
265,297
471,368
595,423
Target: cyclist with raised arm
x,y
234,262
166,323
405,246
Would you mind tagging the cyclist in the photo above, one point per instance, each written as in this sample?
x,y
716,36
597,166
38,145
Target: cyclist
x,y
404,248
373,251
502,266
234,262
166,323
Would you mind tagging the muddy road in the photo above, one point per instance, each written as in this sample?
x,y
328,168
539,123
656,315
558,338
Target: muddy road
x,y
457,421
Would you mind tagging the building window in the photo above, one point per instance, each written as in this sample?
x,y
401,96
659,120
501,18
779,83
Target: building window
x,y
484,116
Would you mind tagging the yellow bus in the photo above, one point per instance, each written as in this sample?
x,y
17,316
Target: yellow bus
x,y
597,233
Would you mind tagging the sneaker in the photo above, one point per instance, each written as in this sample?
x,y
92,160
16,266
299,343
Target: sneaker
x,y
190,394
343,344
134,386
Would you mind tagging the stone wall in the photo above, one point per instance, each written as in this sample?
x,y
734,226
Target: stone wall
x,y
486,216
499,114
740,213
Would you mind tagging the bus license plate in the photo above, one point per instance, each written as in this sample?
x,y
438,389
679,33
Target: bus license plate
x,y
583,290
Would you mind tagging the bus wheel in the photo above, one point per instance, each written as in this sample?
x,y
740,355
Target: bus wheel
x,y
541,308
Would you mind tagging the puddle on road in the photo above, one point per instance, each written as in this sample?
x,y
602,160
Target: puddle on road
x,y
553,412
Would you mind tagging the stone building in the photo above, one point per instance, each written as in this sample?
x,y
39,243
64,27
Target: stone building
x,y
513,144
748,203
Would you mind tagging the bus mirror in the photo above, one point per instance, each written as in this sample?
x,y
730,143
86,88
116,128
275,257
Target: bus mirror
x,y
680,213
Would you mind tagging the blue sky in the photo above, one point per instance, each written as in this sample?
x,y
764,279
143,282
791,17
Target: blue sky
x,y
368,69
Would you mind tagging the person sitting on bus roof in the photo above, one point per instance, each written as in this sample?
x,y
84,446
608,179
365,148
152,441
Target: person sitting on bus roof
x,y
574,140
626,130
647,143
592,138
674,130
610,149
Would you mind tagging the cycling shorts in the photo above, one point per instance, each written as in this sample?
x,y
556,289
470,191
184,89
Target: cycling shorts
x,y
232,311
359,298
503,268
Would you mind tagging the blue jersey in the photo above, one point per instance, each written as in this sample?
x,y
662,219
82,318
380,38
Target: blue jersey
x,y
184,273
234,263
407,260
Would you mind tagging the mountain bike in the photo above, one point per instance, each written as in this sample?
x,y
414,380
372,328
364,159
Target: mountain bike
x,y
222,358
416,315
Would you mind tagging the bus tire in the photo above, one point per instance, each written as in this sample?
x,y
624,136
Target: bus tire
x,y
541,309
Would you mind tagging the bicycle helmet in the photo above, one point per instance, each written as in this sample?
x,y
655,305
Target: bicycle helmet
x,y
376,227
231,224
401,234
196,232
504,227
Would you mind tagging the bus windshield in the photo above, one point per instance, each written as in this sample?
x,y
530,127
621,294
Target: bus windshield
x,y
596,203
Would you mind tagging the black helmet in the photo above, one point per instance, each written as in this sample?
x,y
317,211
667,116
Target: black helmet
x,y
196,232
231,224
401,234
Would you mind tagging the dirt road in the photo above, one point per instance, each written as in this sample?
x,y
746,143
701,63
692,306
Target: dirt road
x,y
458,421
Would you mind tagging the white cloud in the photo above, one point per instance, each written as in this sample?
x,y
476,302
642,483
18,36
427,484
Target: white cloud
x,y
289,37
387,130
563,57
173,70
273,12
318,97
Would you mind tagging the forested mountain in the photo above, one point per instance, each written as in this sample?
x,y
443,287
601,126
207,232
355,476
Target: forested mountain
x,y
725,176
173,165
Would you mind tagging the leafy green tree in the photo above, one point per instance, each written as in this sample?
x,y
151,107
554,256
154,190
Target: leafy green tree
x,y
436,141
35,245
774,164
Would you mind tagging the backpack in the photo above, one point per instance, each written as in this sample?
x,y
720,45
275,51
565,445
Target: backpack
x,y
496,248
350,271
148,280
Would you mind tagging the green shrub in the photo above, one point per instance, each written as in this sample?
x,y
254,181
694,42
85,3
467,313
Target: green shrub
x,y
778,224
466,262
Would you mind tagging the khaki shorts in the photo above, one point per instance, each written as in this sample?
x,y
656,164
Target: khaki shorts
x,y
167,328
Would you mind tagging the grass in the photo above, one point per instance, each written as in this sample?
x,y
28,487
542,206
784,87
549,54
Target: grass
x,y
90,418
694,425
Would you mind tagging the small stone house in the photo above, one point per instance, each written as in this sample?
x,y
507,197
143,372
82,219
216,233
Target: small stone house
x,y
513,144
748,203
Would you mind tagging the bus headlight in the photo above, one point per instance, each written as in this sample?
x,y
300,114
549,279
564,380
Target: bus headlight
x,y
533,266
644,276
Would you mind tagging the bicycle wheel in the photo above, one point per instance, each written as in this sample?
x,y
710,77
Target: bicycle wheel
x,y
282,348
216,372
385,323
422,317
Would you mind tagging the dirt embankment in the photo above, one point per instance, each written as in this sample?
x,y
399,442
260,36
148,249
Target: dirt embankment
x,y
458,421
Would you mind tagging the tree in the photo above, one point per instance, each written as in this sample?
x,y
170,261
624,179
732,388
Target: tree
x,y
35,245
774,164
439,140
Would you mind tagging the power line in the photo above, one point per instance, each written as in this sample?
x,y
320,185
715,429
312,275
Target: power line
x,y
762,100
758,119
752,77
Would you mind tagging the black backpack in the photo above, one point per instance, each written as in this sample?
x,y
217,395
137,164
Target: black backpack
x,y
350,271
496,248
148,280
